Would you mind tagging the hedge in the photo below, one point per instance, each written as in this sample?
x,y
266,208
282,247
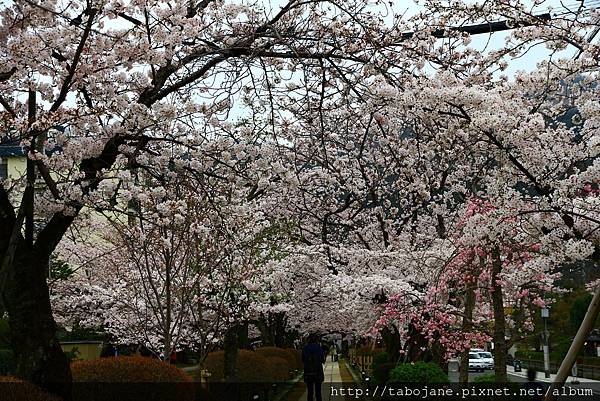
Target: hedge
x,y
130,378
14,389
265,365
277,369
381,367
297,356
254,373
418,372
489,378
250,367
274,352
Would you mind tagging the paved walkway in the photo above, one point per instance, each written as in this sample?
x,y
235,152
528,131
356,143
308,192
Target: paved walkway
x,y
332,375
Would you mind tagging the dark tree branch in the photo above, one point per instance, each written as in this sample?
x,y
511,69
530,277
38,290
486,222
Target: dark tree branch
x,y
64,90
193,9
5,76
7,107
241,48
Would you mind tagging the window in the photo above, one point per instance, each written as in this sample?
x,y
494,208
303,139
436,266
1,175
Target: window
x,y
3,169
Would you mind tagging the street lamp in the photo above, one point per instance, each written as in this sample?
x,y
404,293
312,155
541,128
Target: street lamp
x,y
545,315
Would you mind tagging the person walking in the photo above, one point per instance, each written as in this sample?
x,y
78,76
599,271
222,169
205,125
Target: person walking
x,y
534,389
313,359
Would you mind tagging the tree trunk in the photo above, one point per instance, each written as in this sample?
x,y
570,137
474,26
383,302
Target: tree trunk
x,y
274,330
266,335
500,348
391,342
279,324
243,341
467,324
167,346
578,342
230,348
38,354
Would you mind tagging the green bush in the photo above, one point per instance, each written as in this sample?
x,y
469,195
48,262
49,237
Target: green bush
x,y
381,357
7,362
489,378
418,372
381,367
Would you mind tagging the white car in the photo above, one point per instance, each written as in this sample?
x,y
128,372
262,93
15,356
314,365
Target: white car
x,y
476,362
488,359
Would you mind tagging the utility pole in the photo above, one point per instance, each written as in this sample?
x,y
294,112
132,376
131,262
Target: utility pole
x,y
545,315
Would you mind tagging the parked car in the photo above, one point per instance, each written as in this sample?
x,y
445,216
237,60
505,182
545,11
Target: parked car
x,y
476,362
488,359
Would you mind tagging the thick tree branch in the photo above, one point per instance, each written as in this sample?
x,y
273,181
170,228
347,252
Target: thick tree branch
x,y
64,90
7,107
241,48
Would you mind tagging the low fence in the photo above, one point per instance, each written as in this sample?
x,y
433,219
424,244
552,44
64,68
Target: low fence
x,y
583,370
363,362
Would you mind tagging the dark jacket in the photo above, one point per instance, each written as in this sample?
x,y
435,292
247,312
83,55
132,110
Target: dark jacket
x,y
313,352
535,388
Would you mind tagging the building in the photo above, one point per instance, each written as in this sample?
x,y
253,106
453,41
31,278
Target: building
x,y
12,160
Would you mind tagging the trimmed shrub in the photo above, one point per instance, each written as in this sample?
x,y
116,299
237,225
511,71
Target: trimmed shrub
x,y
250,367
14,389
126,369
7,362
381,367
489,382
490,378
215,363
418,372
274,352
297,356
277,369
381,357
130,378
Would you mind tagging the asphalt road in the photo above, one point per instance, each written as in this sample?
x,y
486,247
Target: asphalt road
x,y
581,389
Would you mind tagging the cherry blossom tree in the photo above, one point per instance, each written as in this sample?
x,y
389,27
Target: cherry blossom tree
x,y
492,270
171,271
391,167
122,77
